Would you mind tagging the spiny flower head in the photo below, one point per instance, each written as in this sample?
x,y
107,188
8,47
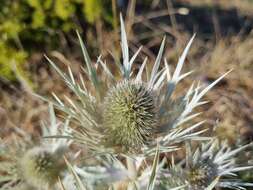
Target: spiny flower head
x,y
130,115
41,167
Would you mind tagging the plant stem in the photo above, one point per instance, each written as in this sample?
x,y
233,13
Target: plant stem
x,y
131,168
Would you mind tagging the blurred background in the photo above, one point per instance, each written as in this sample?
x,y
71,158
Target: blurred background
x,y
31,28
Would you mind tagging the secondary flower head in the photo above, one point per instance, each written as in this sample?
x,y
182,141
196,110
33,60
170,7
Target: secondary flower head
x,y
41,167
211,164
202,174
25,166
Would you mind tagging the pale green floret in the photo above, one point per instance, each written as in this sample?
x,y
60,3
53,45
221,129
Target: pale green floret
x,y
129,115
41,167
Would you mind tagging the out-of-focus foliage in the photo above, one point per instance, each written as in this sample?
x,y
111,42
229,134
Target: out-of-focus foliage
x,y
92,9
11,61
28,22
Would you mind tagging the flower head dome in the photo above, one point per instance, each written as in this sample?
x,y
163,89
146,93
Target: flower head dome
x,y
130,115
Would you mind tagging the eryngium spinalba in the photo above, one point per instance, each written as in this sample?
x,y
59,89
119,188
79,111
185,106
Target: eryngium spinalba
x,y
138,113
130,114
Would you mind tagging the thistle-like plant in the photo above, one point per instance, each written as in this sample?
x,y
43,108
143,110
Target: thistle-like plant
x,y
137,116
29,166
131,114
